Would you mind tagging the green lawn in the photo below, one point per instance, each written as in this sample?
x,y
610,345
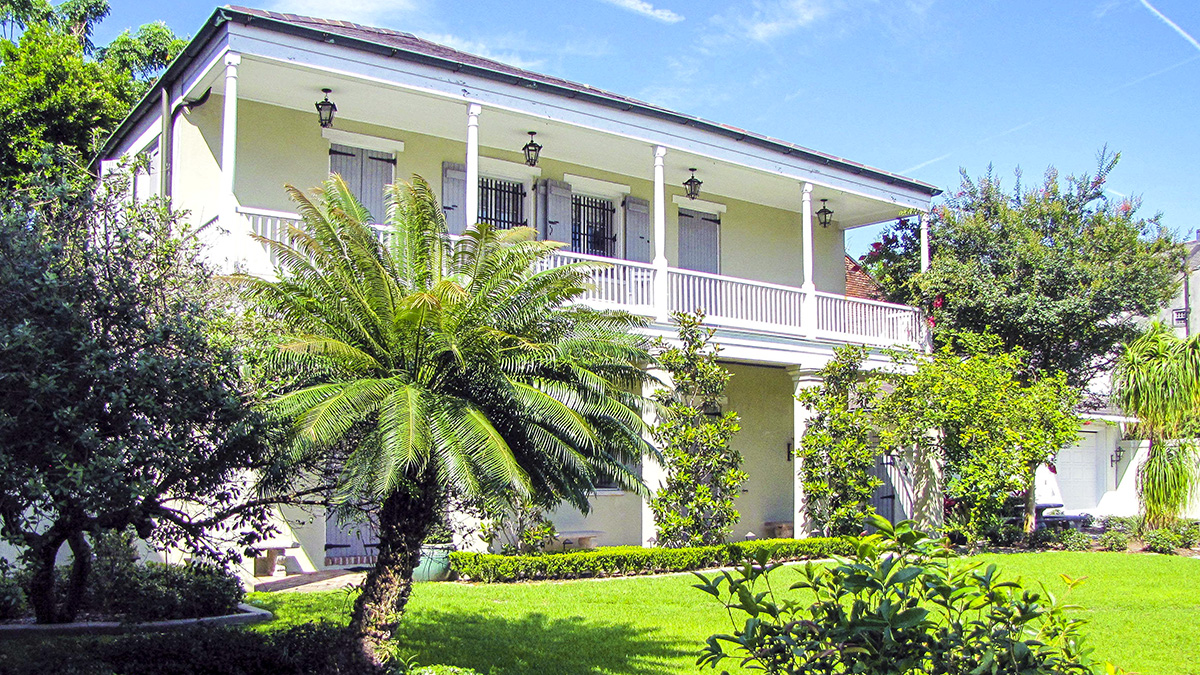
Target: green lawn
x,y
1144,612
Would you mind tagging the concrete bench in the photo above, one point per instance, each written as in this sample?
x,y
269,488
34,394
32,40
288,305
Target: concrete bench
x,y
578,538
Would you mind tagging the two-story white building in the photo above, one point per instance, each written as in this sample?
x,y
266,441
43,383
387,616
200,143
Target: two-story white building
x,y
758,243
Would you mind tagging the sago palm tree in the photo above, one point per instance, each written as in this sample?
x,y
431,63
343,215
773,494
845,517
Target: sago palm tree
x,y
1158,381
444,364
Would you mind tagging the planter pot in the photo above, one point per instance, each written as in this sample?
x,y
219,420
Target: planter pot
x,y
435,563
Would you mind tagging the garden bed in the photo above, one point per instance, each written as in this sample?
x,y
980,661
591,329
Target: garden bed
x,y
246,614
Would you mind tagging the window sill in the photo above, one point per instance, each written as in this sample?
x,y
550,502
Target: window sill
x,y
609,492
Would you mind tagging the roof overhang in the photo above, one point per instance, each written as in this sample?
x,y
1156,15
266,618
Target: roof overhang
x,y
217,26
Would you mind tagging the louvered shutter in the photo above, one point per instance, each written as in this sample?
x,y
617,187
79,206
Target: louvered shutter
x,y
639,242
350,539
699,241
554,210
378,169
346,162
454,195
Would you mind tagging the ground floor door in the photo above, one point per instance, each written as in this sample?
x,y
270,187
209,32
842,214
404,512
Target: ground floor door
x,y
350,543
1076,473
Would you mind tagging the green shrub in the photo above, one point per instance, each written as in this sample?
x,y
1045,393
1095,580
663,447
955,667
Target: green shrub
x,y
1114,540
1162,541
1130,525
618,561
1188,531
155,592
900,604
12,597
1074,540
1044,537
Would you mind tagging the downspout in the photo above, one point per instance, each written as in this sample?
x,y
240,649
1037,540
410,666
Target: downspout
x,y
168,136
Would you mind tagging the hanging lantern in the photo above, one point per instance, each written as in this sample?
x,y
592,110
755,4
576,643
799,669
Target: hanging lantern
x,y
532,150
692,185
325,110
824,216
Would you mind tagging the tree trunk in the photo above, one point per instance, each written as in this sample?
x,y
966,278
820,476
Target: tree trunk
x,y
41,583
81,570
404,520
1031,508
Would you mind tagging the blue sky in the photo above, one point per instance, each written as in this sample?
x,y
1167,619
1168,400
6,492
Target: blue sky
x,y
919,87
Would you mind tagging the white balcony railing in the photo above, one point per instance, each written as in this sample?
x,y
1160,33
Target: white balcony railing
x,y
737,302
726,301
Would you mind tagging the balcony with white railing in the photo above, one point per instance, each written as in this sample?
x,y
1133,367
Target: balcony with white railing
x,y
727,301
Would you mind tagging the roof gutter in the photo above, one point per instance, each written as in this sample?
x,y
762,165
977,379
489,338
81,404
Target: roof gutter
x,y
225,14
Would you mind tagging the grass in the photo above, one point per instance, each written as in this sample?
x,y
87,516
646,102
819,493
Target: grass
x,y
1144,611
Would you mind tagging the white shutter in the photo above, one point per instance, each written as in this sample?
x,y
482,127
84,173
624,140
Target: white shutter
x,y
699,241
639,242
346,162
554,210
454,196
378,169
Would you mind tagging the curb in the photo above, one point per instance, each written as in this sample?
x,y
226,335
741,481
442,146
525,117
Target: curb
x,y
249,614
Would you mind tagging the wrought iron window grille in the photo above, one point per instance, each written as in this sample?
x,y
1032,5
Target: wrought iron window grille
x,y
502,203
592,230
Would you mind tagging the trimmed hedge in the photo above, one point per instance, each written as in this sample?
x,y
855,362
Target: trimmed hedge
x,y
620,561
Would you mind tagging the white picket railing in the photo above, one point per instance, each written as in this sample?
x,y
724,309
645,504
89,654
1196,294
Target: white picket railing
x,y
617,284
726,301
268,225
737,302
870,321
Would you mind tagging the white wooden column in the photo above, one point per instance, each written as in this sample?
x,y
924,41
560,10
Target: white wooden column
x,y
471,204
229,138
662,287
802,378
654,474
924,220
808,311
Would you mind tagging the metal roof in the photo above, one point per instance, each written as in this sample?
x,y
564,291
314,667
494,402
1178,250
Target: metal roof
x,y
397,44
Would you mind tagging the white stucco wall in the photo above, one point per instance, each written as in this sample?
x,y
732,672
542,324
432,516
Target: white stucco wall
x,y
278,146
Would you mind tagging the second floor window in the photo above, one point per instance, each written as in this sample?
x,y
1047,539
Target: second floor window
x,y
592,230
501,203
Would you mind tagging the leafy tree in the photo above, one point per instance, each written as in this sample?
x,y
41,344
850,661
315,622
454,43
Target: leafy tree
x,y
1158,381
444,364
118,407
1057,270
695,505
993,428
836,454
54,96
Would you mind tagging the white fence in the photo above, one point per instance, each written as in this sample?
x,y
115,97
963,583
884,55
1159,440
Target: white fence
x,y
727,301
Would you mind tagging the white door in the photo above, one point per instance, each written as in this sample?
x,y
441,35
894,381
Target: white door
x,y
1077,478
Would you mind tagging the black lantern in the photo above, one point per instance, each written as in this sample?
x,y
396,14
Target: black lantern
x,y
824,216
325,110
692,185
532,150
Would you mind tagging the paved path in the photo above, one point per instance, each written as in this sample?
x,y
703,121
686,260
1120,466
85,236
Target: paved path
x,y
325,580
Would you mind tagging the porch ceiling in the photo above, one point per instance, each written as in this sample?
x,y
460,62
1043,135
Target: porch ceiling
x,y
393,106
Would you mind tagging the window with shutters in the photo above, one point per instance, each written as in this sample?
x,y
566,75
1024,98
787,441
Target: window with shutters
x,y
366,173
699,241
592,227
502,203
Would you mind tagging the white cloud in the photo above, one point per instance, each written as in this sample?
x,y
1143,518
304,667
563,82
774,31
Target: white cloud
x,y
772,19
366,12
646,9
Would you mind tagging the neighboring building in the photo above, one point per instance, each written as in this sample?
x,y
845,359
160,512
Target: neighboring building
x,y
1183,313
859,283
760,249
